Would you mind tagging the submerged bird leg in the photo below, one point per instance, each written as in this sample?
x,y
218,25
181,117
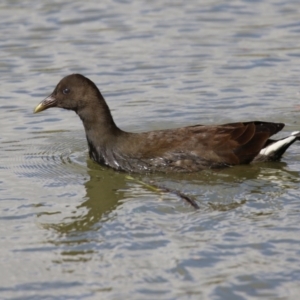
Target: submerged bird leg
x,y
162,189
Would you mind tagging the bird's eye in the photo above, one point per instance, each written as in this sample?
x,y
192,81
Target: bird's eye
x,y
66,91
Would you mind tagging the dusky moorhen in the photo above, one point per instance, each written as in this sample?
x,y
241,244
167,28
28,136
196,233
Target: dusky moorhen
x,y
186,149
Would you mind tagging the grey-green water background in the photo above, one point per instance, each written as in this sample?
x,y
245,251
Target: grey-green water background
x,y
70,229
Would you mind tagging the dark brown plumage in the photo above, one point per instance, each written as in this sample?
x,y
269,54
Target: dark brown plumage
x,y
187,149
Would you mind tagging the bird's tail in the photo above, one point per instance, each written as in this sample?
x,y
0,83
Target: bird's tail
x,y
274,149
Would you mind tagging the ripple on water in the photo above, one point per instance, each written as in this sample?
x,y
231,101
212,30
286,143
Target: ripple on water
x,y
48,156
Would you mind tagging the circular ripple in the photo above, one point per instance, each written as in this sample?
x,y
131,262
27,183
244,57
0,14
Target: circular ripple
x,y
55,156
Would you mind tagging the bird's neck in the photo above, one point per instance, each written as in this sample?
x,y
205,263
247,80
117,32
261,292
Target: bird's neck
x,y
101,131
97,117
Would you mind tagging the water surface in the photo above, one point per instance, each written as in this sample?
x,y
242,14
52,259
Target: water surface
x,y
70,229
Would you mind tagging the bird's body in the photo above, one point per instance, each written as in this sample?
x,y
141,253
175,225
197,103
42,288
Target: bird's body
x,y
186,149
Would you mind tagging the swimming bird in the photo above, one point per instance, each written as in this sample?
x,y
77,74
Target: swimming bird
x,y
185,149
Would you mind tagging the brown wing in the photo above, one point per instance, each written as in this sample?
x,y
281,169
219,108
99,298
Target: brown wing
x,y
246,140
198,147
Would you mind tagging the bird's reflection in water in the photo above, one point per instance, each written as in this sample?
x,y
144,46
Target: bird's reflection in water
x,y
104,189
220,189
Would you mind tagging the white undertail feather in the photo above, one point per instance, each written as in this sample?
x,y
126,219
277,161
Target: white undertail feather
x,y
277,145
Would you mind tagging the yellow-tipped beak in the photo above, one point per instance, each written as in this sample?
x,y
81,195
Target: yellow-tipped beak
x,y
39,108
50,101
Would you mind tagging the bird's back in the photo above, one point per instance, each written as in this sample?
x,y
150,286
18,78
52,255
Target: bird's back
x,y
192,148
